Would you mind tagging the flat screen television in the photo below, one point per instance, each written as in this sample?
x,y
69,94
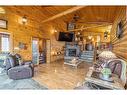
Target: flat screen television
x,y
66,36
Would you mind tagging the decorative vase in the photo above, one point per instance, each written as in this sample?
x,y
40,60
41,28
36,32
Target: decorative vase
x,y
105,76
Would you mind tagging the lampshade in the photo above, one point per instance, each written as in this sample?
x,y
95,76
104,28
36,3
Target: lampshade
x,y
107,55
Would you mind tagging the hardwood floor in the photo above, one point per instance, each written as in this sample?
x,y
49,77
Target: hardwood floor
x,y
57,75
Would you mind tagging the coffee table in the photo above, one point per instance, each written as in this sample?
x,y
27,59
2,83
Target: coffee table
x,y
74,64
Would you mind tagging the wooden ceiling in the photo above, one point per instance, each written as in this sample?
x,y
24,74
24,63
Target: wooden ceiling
x,y
88,16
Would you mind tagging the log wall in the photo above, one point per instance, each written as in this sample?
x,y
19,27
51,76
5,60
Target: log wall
x,y
120,45
22,33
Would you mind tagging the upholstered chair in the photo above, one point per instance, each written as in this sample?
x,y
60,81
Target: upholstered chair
x,y
118,67
16,71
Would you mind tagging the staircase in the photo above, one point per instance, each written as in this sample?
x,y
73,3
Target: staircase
x,y
87,56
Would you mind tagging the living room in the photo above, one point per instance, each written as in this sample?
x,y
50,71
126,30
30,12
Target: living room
x,y
55,47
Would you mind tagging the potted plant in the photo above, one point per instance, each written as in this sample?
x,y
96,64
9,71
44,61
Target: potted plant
x,y
106,72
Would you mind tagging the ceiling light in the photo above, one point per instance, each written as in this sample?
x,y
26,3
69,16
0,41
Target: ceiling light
x,y
2,11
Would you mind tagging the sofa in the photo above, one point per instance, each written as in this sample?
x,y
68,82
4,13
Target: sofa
x,y
17,69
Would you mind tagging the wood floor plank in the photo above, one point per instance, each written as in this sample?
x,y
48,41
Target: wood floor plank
x,y
57,75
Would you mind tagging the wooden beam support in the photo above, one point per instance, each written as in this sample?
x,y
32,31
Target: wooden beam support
x,y
96,23
89,27
63,13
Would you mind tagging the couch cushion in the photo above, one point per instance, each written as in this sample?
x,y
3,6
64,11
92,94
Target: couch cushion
x,y
19,60
11,61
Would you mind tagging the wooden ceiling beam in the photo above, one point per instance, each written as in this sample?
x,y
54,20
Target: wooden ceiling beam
x,y
63,13
97,22
89,27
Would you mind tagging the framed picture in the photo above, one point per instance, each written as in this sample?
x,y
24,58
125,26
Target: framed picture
x,y
3,24
22,45
119,30
70,26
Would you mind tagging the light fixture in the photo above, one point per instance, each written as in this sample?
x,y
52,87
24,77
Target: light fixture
x,y
90,37
76,39
2,11
105,34
98,38
78,33
55,31
24,19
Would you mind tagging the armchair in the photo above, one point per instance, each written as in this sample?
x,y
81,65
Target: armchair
x,y
118,67
16,70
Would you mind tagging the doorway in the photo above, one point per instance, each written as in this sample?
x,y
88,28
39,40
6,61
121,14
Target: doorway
x,y
42,51
35,50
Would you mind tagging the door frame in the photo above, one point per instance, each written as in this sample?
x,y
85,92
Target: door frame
x,y
46,51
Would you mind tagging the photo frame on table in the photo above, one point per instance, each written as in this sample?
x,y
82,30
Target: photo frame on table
x,y
3,24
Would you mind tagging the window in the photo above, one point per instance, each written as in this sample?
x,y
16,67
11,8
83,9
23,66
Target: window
x,y
4,43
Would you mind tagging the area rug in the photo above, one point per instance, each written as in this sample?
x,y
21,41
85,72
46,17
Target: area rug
x,y
23,84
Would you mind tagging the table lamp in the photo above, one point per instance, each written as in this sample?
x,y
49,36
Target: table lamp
x,y
106,56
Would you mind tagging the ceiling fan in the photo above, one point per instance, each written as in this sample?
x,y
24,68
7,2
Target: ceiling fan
x,y
75,21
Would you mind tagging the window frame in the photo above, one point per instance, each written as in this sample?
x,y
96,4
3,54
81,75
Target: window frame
x,y
5,34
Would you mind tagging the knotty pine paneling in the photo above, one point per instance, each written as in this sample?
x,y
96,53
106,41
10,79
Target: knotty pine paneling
x,y
22,33
120,45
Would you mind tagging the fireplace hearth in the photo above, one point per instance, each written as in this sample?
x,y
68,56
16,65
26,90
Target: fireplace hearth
x,y
71,51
